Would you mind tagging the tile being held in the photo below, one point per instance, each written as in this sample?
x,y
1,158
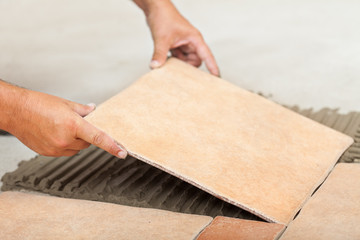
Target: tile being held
x,y
229,142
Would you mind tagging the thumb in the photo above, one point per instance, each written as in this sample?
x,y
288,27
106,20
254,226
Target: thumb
x,y
161,49
83,110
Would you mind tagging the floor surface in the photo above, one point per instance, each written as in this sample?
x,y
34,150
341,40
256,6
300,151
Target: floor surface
x,y
302,53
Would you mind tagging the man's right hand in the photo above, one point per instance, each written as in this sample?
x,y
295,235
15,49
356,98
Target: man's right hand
x,y
50,125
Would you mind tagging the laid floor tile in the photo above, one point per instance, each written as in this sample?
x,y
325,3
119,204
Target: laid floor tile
x,y
28,216
94,174
234,144
224,228
333,212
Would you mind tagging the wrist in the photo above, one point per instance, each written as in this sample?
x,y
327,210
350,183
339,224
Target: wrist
x,y
12,99
150,7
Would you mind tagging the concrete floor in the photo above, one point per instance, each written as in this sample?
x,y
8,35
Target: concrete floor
x,y
302,53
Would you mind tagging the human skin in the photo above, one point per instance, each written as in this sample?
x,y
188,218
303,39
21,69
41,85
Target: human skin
x,y
50,125
172,32
53,126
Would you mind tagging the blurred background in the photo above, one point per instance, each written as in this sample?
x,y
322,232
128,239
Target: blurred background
x,y
300,52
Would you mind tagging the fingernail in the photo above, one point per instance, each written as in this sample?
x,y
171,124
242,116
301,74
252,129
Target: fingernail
x,y
93,105
122,154
154,64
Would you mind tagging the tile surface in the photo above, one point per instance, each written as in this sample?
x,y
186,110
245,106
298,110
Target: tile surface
x,y
333,212
28,216
224,228
259,156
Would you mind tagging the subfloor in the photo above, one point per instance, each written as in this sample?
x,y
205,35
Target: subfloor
x,y
303,53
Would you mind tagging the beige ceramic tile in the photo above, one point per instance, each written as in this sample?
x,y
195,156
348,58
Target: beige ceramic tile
x,y
28,216
334,210
229,142
224,228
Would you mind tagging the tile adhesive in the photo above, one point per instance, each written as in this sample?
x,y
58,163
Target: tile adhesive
x,y
93,174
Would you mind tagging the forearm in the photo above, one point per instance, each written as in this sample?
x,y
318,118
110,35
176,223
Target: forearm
x,y
151,6
11,98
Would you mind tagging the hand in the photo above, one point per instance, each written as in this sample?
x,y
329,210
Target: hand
x,y
172,32
53,126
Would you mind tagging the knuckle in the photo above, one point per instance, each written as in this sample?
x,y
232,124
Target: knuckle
x,y
71,125
61,144
98,138
195,33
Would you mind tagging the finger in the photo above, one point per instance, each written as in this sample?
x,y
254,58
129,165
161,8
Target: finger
x,y
81,109
159,57
66,153
188,48
91,134
69,153
193,59
178,54
78,144
205,55
188,54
